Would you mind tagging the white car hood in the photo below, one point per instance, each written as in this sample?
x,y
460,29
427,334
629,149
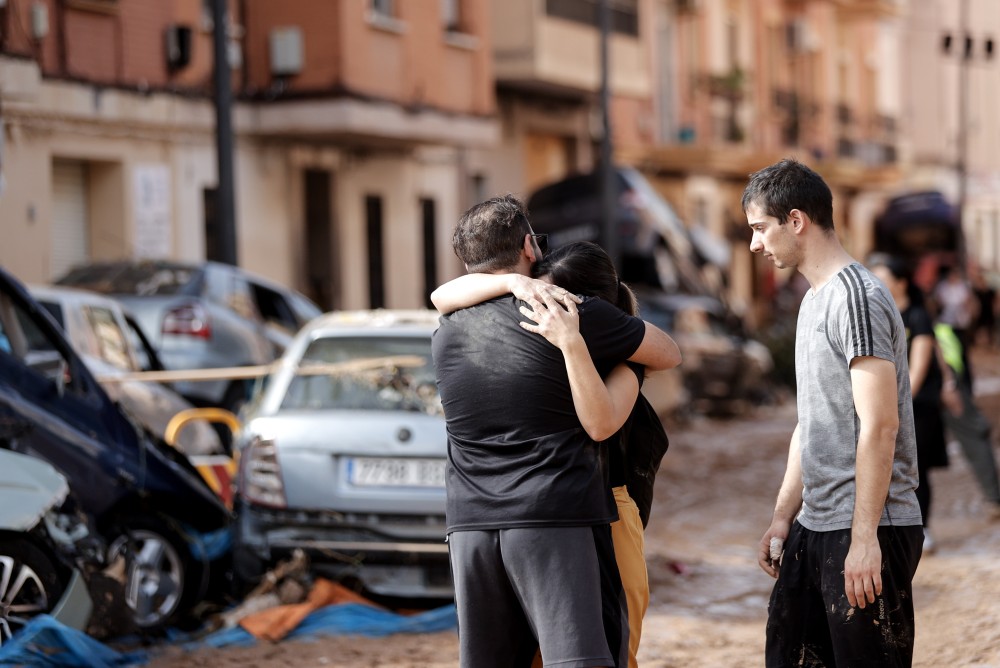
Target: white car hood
x,y
29,487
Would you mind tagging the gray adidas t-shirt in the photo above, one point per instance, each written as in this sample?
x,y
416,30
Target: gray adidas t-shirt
x,y
852,315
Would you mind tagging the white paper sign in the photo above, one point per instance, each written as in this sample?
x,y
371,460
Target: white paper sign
x,y
153,238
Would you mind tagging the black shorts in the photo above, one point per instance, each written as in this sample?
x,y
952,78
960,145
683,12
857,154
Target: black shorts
x,y
555,588
810,622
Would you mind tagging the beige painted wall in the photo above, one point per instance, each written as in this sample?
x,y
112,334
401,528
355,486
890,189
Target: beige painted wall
x,y
116,132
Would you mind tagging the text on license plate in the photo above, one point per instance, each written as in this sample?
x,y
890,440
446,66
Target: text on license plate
x,y
395,472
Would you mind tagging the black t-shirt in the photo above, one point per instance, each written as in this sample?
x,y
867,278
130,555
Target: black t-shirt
x,y
918,322
517,455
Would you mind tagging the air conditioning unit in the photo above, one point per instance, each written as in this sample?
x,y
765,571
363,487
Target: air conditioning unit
x,y
178,46
286,51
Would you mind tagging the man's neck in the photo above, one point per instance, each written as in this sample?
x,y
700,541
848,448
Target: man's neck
x,y
824,261
523,268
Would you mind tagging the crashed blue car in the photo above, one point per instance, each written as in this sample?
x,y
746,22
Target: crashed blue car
x,y
145,499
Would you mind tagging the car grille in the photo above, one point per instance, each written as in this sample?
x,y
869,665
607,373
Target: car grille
x,y
333,518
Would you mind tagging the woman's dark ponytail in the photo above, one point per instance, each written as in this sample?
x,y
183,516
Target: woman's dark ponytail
x,y
626,299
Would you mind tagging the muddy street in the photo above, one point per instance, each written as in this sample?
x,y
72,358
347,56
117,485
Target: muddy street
x,y
714,498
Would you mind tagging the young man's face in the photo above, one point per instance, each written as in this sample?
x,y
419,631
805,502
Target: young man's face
x,y
776,241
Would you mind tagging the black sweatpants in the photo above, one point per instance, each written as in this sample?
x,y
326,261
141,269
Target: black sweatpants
x,y
553,588
810,623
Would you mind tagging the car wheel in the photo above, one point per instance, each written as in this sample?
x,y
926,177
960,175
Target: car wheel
x,y
29,584
158,570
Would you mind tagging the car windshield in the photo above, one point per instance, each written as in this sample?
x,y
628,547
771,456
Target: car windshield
x,y
366,373
140,279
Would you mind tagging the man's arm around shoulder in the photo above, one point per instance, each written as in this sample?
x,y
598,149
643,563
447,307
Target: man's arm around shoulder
x,y
658,351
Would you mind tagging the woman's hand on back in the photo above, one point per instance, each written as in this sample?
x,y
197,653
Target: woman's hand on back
x,y
558,323
526,289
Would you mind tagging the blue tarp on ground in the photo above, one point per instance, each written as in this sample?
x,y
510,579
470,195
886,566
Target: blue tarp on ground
x,y
44,642
47,642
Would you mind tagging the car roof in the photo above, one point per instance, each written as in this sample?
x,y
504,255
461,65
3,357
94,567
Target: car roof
x,y
371,321
65,294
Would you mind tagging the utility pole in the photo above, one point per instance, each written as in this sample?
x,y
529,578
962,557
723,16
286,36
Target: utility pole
x,y
965,46
609,227
225,198
965,55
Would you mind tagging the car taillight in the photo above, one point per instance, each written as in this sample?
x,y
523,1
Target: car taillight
x,y
189,319
260,474
630,199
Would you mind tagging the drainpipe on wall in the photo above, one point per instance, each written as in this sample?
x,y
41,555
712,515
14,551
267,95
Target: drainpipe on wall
x,y
609,232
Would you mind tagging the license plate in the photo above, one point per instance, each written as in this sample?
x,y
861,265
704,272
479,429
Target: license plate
x,y
394,472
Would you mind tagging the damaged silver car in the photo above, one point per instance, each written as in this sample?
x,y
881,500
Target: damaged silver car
x,y
343,455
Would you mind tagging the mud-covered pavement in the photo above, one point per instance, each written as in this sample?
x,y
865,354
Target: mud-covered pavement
x,y
714,497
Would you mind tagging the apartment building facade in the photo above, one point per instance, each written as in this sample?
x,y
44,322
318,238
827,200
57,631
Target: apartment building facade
x,y
365,127
745,83
548,78
352,123
951,91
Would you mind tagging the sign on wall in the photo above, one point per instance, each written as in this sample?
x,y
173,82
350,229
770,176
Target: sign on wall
x,y
153,236
2,182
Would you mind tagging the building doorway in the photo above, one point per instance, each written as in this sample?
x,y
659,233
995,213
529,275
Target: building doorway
x,y
322,273
70,239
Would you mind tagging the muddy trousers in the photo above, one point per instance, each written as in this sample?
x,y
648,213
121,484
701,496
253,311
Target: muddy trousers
x,y
810,623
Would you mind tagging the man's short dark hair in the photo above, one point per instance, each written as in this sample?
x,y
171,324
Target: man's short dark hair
x,y
788,185
490,235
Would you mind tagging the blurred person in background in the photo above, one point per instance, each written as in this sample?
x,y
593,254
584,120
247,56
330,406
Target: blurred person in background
x,y
955,305
986,299
968,425
932,384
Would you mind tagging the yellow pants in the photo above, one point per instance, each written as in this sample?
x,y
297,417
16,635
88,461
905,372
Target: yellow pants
x,y
630,543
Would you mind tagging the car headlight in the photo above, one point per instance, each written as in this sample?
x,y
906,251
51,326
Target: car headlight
x,y
260,474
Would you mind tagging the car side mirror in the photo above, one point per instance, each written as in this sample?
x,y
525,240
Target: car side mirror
x,y
53,366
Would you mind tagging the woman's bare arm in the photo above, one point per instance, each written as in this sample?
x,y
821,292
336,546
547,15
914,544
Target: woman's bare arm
x,y
472,289
602,404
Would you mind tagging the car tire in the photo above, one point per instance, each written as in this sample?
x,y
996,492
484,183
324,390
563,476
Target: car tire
x,y
161,576
30,584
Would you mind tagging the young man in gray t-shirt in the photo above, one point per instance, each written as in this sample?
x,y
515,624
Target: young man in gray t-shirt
x,y
846,514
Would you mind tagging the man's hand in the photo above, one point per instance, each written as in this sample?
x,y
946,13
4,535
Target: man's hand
x,y
526,289
863,572
768,561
